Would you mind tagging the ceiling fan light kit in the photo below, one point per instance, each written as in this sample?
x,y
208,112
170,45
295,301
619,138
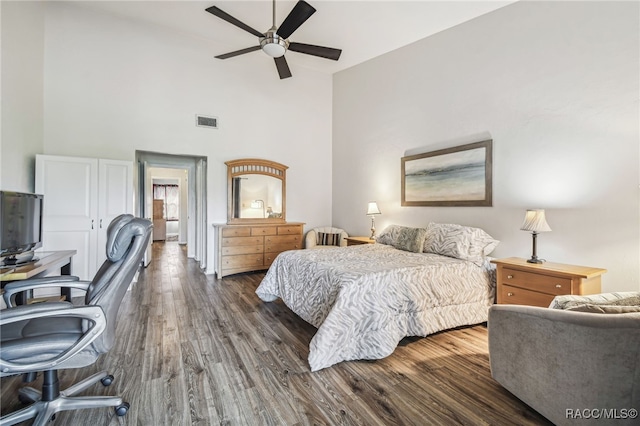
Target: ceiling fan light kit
x,y
275,41
274,45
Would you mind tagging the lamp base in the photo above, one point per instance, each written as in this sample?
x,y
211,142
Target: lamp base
x,y
535,260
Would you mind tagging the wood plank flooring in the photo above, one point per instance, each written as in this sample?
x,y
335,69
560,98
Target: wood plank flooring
x,y
195,350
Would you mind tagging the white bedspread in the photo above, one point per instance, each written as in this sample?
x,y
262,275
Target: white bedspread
x,y
364,299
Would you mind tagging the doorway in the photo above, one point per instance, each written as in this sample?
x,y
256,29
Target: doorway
x,y
192,171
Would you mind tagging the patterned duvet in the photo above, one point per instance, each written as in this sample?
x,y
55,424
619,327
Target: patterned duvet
x,y
364,299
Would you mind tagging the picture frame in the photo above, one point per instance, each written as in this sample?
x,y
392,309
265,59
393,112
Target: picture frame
x,y
457,176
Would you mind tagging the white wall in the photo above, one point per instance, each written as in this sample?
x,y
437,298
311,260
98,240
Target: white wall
x,y
113,86
554,84
22,96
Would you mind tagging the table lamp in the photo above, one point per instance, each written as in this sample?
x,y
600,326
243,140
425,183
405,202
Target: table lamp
x,y
535,222
373,210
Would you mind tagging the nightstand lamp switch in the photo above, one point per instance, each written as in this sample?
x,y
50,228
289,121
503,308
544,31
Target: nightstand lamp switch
x,y
535,222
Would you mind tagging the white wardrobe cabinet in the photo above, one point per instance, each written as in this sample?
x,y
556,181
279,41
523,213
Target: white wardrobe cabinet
x,y
81,197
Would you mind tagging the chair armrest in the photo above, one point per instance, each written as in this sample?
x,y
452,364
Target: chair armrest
x,y
93,314
555,360
310,239
15,287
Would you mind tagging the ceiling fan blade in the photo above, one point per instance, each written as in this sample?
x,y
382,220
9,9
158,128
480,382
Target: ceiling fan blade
x,y
300,13
283,67
230,19
311,49
238,52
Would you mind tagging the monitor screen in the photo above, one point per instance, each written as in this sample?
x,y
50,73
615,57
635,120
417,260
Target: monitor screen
x,y
20,222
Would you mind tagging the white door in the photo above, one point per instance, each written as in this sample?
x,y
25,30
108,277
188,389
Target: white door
x,y
115,186
70,206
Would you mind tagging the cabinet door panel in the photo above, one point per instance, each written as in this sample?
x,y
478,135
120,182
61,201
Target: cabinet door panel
x,y
115,192
70,205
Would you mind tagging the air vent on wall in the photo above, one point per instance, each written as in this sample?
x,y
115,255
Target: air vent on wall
x,y
204,121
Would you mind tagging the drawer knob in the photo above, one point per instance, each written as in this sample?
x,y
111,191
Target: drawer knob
x,y
509,276
558,285
509,294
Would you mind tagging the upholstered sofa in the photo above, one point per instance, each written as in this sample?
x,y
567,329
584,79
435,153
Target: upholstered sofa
x,y
568,365
325,236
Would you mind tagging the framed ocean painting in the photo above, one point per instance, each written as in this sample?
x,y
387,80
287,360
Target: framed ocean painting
x,y
458,176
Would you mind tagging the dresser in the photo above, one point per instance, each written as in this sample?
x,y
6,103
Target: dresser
x,y
243,248
523,283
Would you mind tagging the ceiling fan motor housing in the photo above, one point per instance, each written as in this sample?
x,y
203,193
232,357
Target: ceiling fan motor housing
x,y
273,45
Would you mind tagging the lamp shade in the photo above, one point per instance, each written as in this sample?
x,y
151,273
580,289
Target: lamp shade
x,y
373,208
535,221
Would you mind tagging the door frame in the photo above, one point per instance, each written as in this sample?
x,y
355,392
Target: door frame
x,y
196,167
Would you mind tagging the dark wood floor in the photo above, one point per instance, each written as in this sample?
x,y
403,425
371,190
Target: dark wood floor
x,y
195,350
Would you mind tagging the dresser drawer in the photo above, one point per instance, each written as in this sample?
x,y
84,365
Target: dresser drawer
x,y
236,231
264,230
248,249
242,260
290,230
270,257
283,239
537,282
242,241
278,247
520,296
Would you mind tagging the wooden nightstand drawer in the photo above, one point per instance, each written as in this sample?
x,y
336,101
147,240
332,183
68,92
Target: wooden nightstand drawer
x,y
520,296
356,241
524,283
537,282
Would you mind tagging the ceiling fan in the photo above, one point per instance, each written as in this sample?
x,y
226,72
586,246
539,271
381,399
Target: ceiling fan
x,y
275,41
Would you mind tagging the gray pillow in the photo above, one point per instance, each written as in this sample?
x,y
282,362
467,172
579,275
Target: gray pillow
x,y
618,306
403,238
461,242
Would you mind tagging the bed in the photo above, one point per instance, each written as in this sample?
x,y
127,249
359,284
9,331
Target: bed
x,y
364,299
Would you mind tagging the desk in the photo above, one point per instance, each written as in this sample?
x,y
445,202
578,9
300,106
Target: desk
x,y
48,261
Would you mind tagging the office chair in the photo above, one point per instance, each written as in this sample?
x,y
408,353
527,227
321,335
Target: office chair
x,y
51,336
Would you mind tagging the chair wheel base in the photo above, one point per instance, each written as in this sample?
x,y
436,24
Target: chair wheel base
x,y
106,381
122,409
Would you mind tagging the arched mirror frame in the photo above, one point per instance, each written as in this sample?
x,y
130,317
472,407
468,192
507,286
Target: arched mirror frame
x,y
246,166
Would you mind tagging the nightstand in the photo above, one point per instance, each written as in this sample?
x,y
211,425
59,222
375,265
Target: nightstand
x,y
354,241
523,283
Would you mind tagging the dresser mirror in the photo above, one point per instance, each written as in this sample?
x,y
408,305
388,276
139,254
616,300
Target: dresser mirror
x,y
256,191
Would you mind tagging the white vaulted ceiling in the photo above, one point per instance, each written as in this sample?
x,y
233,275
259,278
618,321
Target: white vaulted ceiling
x,y
362,29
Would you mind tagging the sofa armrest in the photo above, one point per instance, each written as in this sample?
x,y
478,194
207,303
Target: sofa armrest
x,y
556,360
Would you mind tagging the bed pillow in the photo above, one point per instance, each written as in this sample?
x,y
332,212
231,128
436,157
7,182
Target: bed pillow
x,y
461,242
327,239
618,306
403,238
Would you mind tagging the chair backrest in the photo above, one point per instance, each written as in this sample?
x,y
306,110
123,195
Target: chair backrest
x,y
315,235
127,240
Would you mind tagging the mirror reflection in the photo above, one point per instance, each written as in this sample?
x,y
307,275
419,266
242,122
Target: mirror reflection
x,y
256,197
256,191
